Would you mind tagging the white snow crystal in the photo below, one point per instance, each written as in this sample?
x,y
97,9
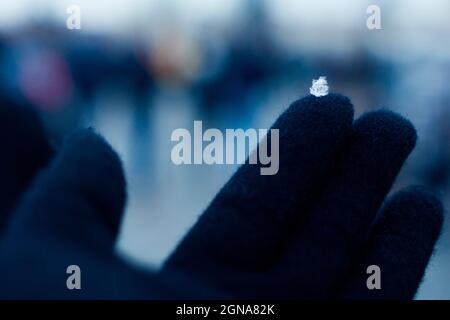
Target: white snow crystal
x,y
319,87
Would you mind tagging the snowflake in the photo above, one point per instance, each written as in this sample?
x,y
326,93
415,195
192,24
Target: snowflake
x,y
319,87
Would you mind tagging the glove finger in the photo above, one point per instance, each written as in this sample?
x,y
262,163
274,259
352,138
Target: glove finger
x,y
69,217
401,244
337,225
79,198
244,226
25,150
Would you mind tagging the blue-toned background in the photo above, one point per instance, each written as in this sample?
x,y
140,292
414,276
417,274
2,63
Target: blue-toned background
x,y
138,69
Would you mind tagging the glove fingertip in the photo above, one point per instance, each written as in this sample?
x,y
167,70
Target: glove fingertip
x,y
335,109
401,244
395,131
84,183
415,206
98,170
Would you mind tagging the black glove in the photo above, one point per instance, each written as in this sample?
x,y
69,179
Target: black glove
x,y
309,231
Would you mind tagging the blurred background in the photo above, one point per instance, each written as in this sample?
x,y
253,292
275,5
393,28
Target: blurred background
x,y
138,69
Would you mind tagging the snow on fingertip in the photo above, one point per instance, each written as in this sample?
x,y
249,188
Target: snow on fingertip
x,y
319,87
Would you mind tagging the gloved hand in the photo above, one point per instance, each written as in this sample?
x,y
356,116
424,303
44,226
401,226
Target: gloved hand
x,y
309,231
